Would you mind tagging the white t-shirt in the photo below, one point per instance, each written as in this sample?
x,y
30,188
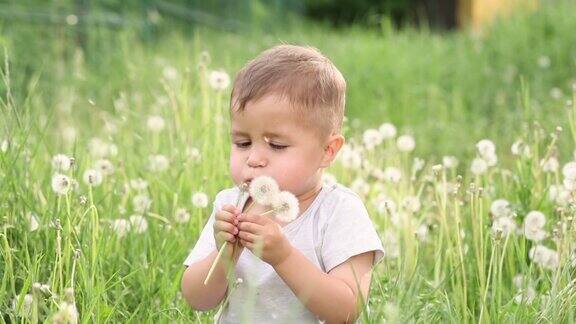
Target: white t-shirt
x,y
335,227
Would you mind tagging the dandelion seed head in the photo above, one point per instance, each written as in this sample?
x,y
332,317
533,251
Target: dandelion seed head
x,y
138,223
158,163
503,226
92,177
104,166
478,166
263,190
550,165
569,170
218,80
406,143
286,206
141,203
486,148
139,184
387,130
155,123
61,163
392,174
501,208
120,226
181,216
200,200
32,222
61,184
372,138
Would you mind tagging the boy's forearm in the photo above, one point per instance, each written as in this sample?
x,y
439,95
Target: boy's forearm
x,y
205,297
328,298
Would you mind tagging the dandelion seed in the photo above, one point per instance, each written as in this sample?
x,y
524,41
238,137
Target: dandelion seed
x,y
411,204
104,166
387,130
525,296
372,138
501,208
181,216
550,165
350,158
92,177
139,184
138,224
121,226
478,166
285,206
544,257
200,200
449,162
392,174
170,73
61,163
263,189
25,309
503,226
533,224
556,93
486,148
422,232
141,203
61,184
544,62
4,146
158,163
193,153
32,222
519,148
406,143
569,170
218,80
155,123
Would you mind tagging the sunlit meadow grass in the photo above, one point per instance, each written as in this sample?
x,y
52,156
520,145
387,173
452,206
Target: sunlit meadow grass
x,y
110,242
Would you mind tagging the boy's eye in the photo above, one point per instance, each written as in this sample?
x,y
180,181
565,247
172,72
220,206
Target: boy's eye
x,y
243,144
277,146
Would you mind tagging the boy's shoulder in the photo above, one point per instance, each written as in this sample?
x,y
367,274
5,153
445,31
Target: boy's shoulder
x,y
343,196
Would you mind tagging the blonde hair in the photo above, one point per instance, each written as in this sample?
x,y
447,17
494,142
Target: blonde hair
x,y
307,79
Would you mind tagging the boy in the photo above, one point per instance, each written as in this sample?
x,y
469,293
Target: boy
x,y
287,107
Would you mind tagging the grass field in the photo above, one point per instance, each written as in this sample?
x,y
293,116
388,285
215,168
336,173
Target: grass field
x,y
487,190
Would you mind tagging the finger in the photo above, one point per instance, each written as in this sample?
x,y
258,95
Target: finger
x,y
226,227
251,218
231,209
249,237
250,227
248,245
223,236
225,216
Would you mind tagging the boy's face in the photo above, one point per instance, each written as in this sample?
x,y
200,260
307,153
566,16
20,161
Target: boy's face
x,y
268,139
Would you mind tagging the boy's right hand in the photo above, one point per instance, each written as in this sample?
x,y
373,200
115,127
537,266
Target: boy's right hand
x,y
226,226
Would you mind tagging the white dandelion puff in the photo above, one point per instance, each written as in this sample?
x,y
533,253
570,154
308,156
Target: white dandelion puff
x,y
520,148
4,146
67,314
350,158
525,296
139,184
411,204
544,62
170,73
285,206
121,226
158,163
372,138
263,189
360,186
569,170
406,143
193,153
92,177
387,130
200,200
501,208
104,166
61,184
533,226
478,166
422,232
392,174
155,123
25,309
503,226
141,203
486,148
449,162
181,216
550,164
138,224
61,162
32,222
218,80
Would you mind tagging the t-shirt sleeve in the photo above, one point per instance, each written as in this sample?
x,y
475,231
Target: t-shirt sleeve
x,y
349,232
205,243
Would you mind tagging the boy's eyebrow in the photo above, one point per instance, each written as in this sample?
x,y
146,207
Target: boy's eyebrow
x,y
266,134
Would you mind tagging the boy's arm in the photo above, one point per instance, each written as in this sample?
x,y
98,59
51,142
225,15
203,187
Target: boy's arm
x,y
331,296
205,297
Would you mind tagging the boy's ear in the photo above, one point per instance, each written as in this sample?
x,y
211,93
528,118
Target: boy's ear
x,y
331,149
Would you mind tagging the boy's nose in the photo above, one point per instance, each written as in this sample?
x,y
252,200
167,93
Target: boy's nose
x,y
256,160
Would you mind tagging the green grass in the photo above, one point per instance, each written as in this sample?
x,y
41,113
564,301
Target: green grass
x,y
449,91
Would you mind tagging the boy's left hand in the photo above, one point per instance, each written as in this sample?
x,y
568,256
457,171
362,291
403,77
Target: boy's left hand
x,y
264,238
